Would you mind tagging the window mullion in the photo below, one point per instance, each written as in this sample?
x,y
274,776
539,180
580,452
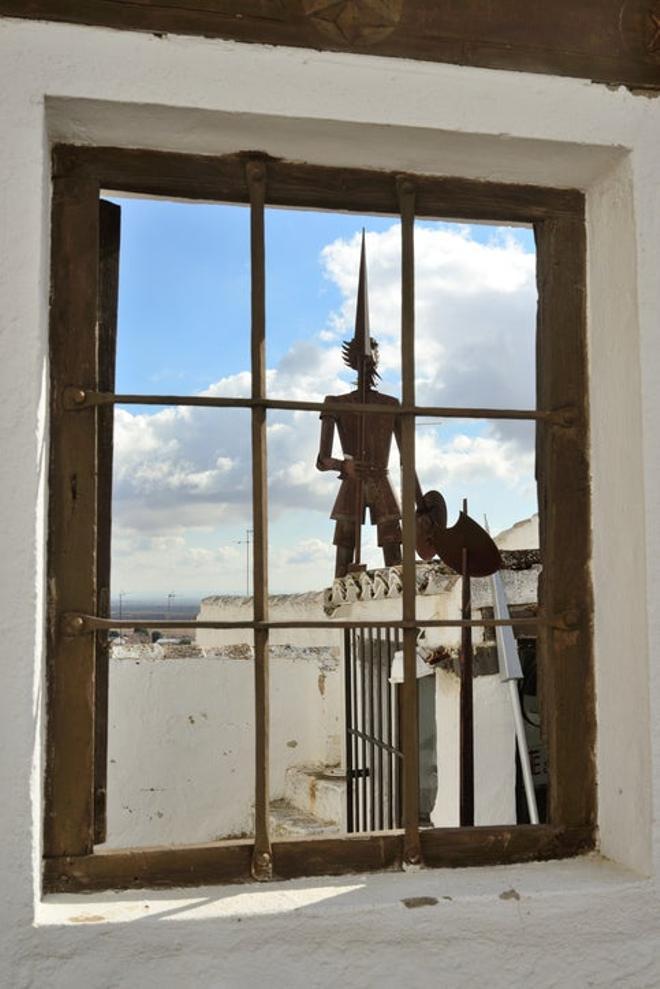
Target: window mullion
x,y
262,858
406,191
108,295
69,821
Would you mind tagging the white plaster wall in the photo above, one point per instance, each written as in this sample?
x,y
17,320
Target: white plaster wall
x,y
281,608
522,535
574,924
494,752
181,742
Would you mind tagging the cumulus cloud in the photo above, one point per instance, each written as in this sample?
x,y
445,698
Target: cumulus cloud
x,y
182,475
475,312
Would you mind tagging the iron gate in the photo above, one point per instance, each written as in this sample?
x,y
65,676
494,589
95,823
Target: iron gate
x,y
373,747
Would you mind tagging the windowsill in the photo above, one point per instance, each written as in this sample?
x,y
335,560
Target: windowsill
x,y
327,896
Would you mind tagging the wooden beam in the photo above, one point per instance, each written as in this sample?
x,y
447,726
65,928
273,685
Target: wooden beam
x,y
364,190
599,40
108,294
68,828
566,666
230,861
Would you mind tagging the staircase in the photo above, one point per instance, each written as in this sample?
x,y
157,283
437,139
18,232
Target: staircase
x,y
314,802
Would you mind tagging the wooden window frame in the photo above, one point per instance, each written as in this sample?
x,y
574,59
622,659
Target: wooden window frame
x,y
79,402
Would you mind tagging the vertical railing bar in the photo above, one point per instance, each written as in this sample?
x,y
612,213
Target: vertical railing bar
x,y
356,750
348,715
372,728
412,852
363,729
390,733
379,715
262,856
398,810
466,754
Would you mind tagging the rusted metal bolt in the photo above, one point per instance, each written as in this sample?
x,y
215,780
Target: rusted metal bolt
x,y
256,171
78,395
405,186
76,623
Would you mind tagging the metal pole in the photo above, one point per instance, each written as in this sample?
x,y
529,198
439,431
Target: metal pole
x,y
511,672
523,752
466,702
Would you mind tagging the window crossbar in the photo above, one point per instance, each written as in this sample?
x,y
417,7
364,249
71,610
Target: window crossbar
x,y
75,624
82,398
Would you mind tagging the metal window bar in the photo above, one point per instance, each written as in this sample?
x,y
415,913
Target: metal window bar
x,y
75,397
79,623
262,856
412,850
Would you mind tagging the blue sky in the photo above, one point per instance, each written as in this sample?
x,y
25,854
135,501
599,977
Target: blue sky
x,y
182,491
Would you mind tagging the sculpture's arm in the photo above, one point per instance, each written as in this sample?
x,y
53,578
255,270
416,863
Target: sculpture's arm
x,y
325,460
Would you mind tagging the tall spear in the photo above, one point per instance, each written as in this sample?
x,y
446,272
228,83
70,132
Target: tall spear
x,y
364,363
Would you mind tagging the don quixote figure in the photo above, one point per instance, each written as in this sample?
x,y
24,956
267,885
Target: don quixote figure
x,y
366,441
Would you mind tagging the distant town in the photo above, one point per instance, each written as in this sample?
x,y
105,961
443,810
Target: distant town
x,y
155,608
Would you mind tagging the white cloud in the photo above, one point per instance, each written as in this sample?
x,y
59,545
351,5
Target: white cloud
x,y
475,312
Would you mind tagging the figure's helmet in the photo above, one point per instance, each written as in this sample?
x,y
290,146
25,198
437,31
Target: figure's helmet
x,y
362,345
350,351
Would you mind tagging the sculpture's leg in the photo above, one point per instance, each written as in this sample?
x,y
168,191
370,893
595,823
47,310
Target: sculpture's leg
x,y
345,543
389,539
343,560
392,554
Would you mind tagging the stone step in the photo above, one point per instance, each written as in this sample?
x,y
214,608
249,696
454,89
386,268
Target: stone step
x,y
285,819
319,791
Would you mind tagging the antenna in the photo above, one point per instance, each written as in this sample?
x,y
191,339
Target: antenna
x,y
247,543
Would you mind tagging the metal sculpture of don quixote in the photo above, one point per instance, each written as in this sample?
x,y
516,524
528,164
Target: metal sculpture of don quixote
x,y
366,442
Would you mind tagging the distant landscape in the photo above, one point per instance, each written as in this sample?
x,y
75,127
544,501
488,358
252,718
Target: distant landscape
x,y
156,609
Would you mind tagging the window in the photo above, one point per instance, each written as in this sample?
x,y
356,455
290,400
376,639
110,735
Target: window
x,y
84,274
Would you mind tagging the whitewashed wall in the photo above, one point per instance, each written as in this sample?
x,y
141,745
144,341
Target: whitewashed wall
x,y
181,741
281,608
563,925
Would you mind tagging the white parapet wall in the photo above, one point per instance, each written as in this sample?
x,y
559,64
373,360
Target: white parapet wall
x,y
181,730
494,752
181,740
281,607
